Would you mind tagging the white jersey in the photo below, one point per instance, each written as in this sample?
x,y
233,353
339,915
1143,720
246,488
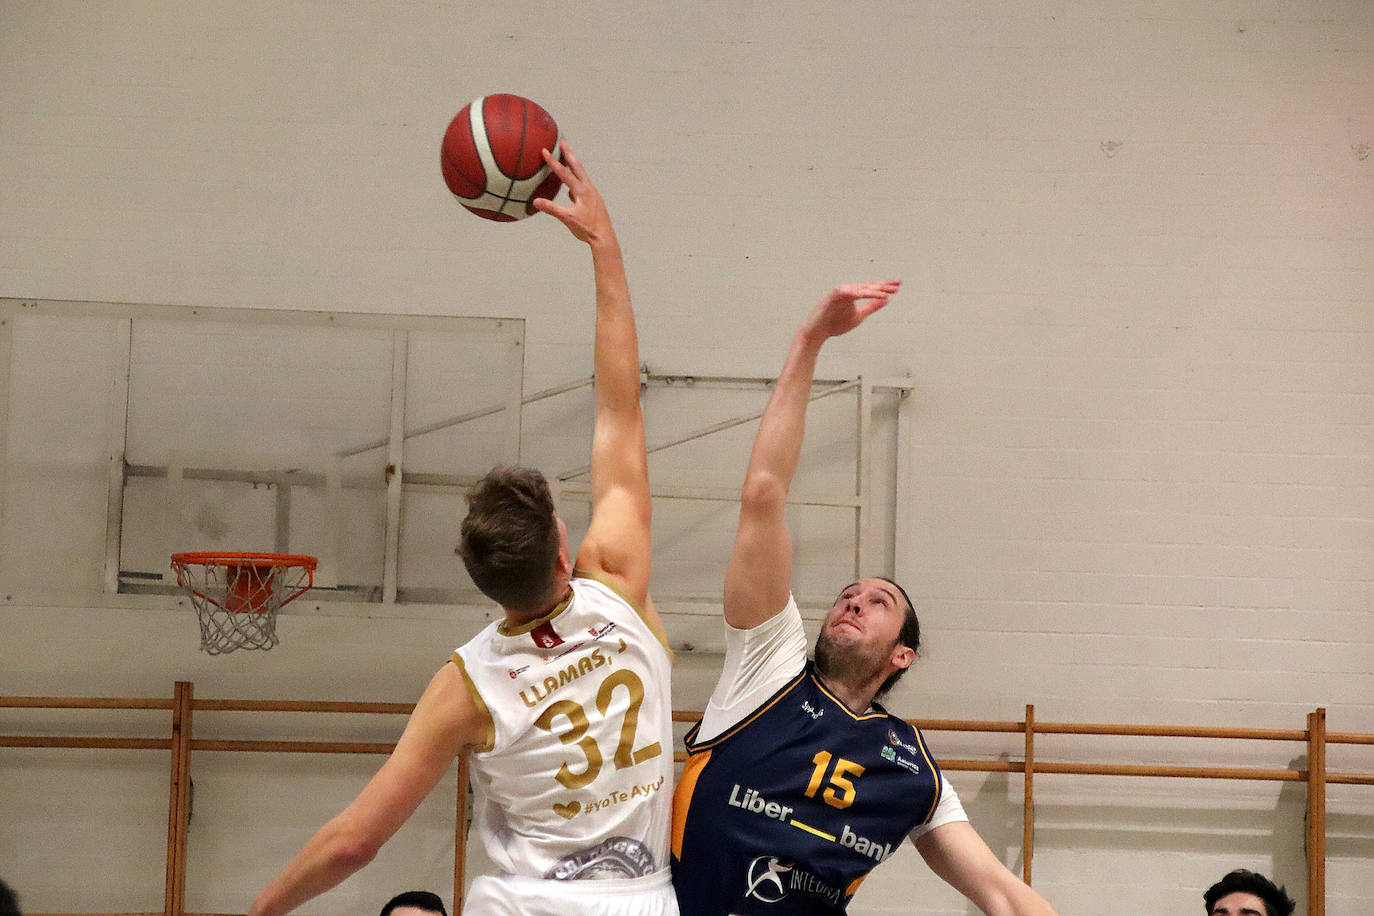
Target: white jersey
x,y
578,780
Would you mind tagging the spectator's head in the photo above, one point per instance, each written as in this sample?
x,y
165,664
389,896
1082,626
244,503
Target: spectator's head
x,y
414,903
9,904
1247,893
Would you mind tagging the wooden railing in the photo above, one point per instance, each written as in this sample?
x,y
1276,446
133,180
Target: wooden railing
x,y
181,743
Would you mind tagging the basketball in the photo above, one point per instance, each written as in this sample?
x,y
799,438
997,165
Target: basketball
x,y
490,156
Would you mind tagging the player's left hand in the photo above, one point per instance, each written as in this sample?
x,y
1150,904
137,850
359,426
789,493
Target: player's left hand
x,y
586,217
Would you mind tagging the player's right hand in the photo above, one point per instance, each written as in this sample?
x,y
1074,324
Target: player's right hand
x,y
846,307
586,217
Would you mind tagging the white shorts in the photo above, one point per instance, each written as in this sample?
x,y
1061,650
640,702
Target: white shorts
x,y
515,895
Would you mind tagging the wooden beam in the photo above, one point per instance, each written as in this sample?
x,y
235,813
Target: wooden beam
x,y
1028,803
1316,812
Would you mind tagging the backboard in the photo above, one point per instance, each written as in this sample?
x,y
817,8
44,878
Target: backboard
x,y
130,432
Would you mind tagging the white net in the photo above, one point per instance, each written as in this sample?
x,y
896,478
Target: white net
x,y
237,596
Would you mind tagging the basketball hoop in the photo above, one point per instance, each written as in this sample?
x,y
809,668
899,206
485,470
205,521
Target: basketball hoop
x,y
237,595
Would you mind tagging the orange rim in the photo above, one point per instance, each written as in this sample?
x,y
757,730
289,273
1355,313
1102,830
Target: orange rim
x,y
243,558
245,592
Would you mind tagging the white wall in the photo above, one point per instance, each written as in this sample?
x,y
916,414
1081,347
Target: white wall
x,y
1139,313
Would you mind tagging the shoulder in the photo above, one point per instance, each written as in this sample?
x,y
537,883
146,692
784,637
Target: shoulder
x,y
484,650
599,587
597,583
453,705
721,723
760,663
780,635
907,737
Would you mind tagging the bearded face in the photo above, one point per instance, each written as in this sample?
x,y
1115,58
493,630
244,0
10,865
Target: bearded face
x,y
850,661
860,639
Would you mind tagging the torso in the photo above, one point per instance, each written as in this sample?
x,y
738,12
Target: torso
x,y
788,811
578,779
789,798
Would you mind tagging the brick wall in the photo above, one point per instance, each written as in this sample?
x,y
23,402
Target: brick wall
x,y
1138,311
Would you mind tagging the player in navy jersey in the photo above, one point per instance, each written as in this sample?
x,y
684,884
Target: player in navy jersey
x,y
797,782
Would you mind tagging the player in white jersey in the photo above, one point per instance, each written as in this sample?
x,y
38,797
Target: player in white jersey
x,y
579,775
564,705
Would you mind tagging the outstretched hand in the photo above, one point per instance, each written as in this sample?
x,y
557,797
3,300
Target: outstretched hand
x,y
846,307
586,217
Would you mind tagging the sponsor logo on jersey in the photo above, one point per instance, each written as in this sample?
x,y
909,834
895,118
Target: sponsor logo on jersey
x,y
538,692
598,632
617,857
812,711
568,651
770,880
614,798
544,636
889,754
765,879
896,741
516,672
909,765
750,800
863,845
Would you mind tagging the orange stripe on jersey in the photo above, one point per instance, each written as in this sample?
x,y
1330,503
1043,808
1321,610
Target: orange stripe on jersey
x,y
854,885
939,783
682,797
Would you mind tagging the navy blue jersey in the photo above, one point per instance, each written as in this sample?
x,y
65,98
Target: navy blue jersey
x,y
787,811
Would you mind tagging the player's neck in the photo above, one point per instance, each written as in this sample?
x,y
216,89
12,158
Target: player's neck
x,y
518,618
858,697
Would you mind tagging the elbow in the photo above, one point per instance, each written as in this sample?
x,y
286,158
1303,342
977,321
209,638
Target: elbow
x,y
1016,898
350,852
763,490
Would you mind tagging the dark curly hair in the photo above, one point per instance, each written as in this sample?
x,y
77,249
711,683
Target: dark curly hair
x,y
1242,881
910,636
421,900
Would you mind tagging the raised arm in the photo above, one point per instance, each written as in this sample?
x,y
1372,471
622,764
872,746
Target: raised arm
x,y
617,541
444,724
759,577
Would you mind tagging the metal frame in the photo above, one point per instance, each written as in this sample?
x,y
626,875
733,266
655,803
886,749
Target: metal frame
x,y
568,484
124,594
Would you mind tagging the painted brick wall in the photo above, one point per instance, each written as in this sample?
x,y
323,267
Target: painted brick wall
x,y
1139,313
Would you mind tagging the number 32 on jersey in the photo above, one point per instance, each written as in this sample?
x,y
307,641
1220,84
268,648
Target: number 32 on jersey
x,y
626,755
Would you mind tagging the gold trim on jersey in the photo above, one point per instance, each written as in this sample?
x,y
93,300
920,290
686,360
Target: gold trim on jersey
x,y
783,691
655,626
845,706
506,628
488,724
